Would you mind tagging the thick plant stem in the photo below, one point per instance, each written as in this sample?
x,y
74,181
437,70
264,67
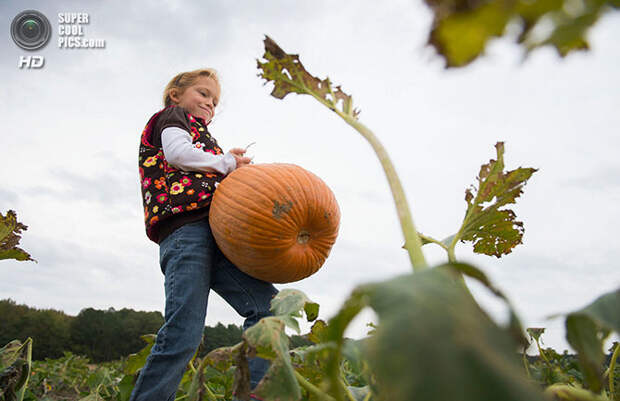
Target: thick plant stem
x,y
311,388
451,254
412,240
413,244
541,352
612,369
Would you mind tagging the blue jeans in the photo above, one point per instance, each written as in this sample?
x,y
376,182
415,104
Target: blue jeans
x,y
193,264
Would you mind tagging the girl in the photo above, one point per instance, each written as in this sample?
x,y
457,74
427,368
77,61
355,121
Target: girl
x,y
180,165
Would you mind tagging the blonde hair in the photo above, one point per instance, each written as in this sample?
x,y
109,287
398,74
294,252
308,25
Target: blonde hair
x,y
184,80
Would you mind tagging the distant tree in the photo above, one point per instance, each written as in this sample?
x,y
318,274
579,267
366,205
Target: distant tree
x,y
48,328
220,336
109,335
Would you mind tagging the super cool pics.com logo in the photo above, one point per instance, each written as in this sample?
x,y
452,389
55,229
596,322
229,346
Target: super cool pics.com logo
x,y
31,30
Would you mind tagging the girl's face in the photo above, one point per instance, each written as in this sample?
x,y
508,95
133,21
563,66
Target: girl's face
x,y
199,99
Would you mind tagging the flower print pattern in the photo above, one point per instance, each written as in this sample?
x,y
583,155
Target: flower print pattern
x,y
168,191
203,195
176,188
161,198
160,183
150,161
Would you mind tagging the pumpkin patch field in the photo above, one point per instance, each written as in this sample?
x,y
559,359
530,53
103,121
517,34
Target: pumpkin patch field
x,y
433,340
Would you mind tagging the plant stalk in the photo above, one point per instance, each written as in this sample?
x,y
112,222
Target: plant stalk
x,y
28,345
311,388
413,244
612,370
412,240
525,363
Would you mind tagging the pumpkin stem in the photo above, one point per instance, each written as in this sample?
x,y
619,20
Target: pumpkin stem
x,y
303,237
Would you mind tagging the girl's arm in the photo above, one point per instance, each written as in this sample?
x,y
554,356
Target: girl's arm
x,y
181,153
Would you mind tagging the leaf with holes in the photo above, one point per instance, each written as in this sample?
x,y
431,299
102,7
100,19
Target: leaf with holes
x,y
492,228
289,76
10,230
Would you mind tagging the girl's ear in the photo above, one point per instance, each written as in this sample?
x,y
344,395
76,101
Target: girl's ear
x,y
174,95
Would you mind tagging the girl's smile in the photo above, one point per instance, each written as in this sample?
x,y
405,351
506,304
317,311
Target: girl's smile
x,y
200,99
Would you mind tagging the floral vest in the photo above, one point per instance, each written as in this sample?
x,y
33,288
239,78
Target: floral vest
x,y
167,191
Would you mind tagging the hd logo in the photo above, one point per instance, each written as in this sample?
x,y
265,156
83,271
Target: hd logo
x,y
31,31
31,61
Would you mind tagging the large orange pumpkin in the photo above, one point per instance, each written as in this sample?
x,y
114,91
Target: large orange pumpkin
x,y
276,222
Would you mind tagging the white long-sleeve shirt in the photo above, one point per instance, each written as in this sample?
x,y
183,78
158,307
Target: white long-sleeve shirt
x,y
181,153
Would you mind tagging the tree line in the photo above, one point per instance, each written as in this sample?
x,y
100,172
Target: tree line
x,y
100,335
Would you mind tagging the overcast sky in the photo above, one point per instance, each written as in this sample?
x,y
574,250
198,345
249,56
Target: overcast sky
x,y
70,134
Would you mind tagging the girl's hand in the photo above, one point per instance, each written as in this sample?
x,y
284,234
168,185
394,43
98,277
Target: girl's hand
x,y
241,160
237,151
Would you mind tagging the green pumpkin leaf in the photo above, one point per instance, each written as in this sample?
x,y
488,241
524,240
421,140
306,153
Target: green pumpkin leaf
x,y
222,358
462,29
569,35
10,229
15,368
353,351
429,317
268,340
431,332
586,330
136,361
288,304
289,76
318,332
493,230
462,36
125,387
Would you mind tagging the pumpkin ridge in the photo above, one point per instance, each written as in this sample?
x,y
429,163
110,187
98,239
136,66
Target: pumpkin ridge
x,y
312,212
229,202
275,188
239,182
294,213
303,220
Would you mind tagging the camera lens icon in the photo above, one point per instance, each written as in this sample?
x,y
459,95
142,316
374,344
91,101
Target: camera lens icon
x,y
30,30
